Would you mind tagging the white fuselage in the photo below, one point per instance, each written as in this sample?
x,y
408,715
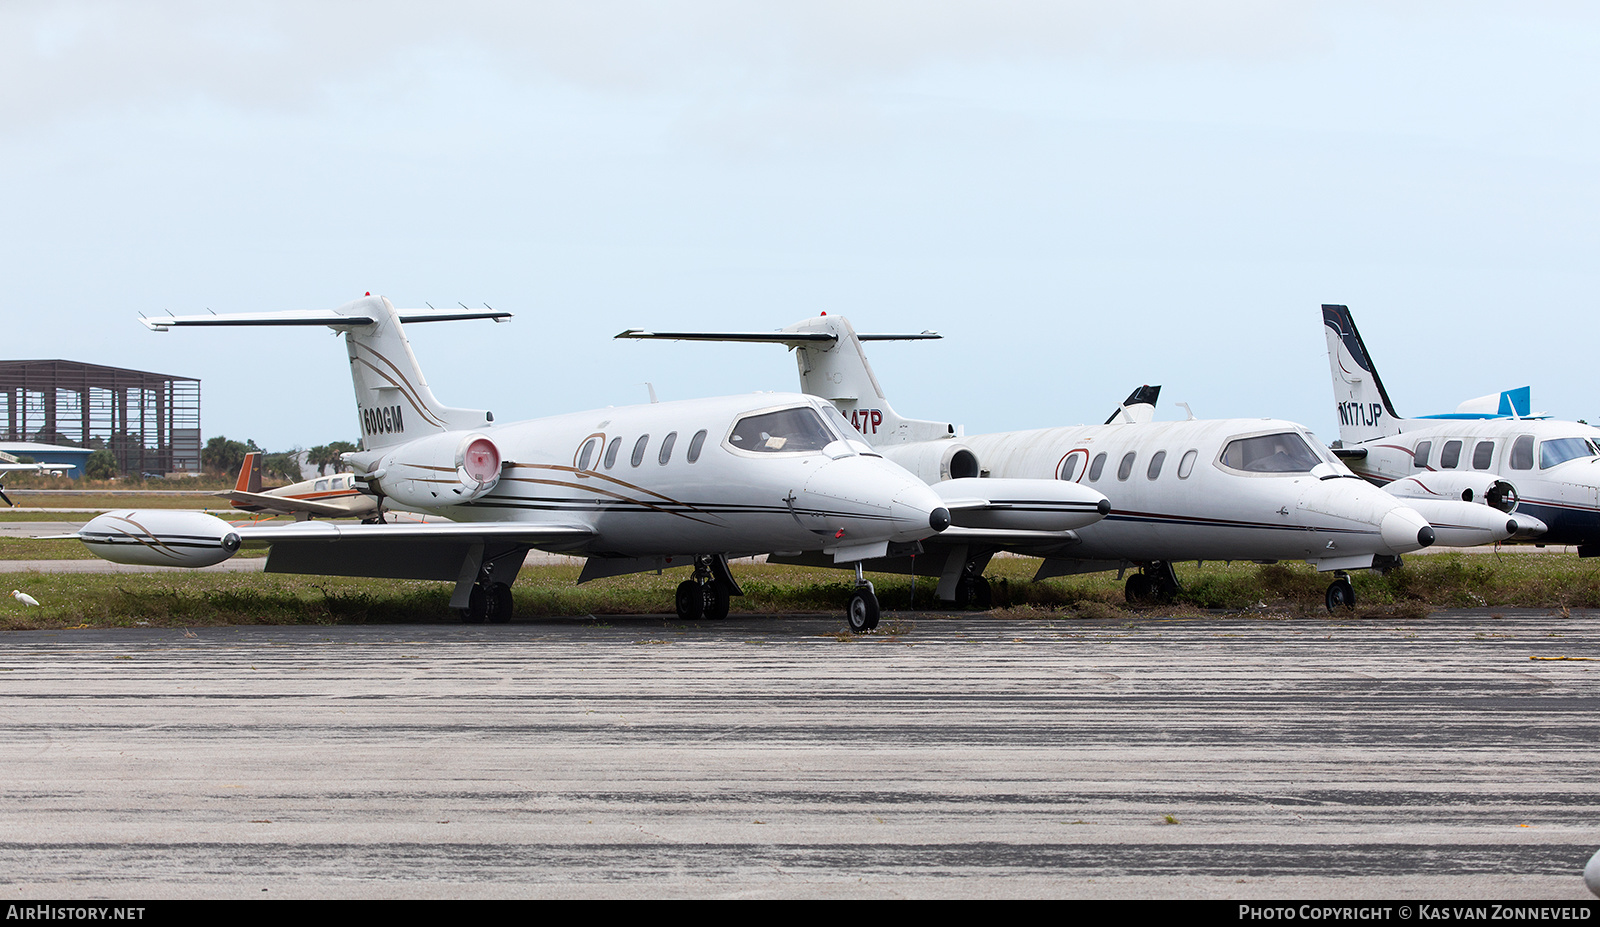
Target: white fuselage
x,y
611,469
1195,506
1553,465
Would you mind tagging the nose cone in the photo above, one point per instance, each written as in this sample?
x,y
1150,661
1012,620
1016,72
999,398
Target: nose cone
x,y
918,512
870,499
1404,530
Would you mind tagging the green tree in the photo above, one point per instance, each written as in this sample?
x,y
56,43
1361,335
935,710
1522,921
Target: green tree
x,y
285,465
324,456
224,456
101,465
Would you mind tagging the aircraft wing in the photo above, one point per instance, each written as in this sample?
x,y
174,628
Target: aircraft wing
x,y
34,467
265,502
403,551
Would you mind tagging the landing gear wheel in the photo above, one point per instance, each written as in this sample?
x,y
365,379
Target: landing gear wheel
x,y
1163,590
1140,590
691,601
863,611
1341,595
715,599
974,592
498,603
477,606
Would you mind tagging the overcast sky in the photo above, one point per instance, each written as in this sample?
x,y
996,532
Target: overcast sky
x,y
1082,197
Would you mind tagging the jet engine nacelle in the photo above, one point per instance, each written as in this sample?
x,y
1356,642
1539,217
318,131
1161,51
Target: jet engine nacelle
x,y
160,538
933,461
1483,488
442,469
1021,505
1466,524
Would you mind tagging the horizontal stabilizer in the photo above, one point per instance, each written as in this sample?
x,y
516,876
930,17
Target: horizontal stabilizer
x,y
789,338
317,317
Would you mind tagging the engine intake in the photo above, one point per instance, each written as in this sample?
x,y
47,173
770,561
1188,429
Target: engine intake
x,y
934,461
439,470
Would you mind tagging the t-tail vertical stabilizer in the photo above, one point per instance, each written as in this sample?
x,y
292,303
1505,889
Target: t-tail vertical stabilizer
x,y
834,367
392,398
1362,403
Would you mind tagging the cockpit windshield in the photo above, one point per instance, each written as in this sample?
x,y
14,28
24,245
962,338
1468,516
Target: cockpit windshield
x,y
1561,450
847,432
782,432
1286,452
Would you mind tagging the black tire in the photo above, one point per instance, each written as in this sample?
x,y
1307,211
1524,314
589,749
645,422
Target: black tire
x,y
716,601
477,606
691,601
499,603
1140,590
974,592
1340,595
862,613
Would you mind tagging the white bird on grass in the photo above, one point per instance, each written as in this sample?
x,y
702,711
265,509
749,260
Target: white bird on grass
x,y
24,598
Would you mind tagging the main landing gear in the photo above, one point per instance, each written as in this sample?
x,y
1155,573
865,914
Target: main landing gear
x,y
1341,594
489,602
1154,584
862,613
706,594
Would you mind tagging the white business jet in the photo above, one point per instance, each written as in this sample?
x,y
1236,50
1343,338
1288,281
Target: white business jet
x,y
1541,473
333,496
1225,489
636,488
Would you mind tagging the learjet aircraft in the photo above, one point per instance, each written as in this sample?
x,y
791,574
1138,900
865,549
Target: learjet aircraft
x,y
636,488
1224,489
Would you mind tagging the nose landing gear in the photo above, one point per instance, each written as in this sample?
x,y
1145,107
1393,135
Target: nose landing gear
x,y
862,613
1340,595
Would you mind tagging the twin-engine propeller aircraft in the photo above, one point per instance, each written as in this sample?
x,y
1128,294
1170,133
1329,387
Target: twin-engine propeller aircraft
x,y
1227,489
636,488
333,496
1542,474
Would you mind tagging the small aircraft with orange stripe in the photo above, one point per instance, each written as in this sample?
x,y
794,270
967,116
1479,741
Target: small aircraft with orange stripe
x,y
333,496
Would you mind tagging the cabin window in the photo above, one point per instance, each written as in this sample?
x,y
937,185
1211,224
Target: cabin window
x,y
1186,465
1126,467
1285,452
1069,467
1096,467
587,454
1155,465
611,452
338,482
638,450
322,486
1562,450
783,431
666,448
1419,459
695,444
1451,455
1522,453
1482,455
